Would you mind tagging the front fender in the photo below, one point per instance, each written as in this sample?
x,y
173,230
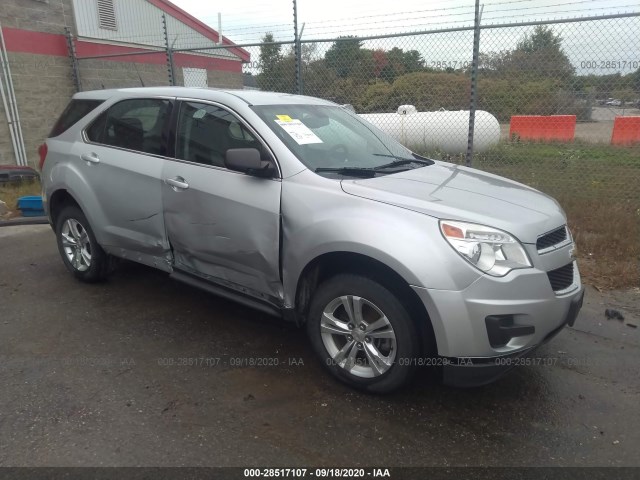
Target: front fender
x,y
319,218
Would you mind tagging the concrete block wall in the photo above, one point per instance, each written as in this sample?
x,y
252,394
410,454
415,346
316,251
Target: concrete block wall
x,y
220,79
48,16
43,86
43,83
42,71
98,74
215,78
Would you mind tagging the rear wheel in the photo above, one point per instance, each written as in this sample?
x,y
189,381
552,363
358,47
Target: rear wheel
x,y
363,334
78,247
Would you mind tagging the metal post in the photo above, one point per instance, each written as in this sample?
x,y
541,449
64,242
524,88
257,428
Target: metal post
x,y
474,83
75,68
298,50
8,113
13,113
169,52
301,90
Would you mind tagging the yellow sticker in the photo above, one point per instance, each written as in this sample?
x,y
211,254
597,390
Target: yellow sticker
x,y
284,118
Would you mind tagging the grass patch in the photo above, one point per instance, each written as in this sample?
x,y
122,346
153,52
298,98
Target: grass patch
x,y
11,192
607,236
599,188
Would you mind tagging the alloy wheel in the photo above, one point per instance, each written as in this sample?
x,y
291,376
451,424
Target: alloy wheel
x,y
76,244
358,336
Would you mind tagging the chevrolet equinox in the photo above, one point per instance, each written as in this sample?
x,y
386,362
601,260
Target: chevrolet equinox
x,y
297,207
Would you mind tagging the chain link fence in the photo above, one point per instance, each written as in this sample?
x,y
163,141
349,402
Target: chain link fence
x,y
556,105
144,46
558,108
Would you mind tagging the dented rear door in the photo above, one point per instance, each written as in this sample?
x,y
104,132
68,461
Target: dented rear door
x,y
121,160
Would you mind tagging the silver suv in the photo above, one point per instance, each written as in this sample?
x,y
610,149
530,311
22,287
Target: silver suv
x,y
297,207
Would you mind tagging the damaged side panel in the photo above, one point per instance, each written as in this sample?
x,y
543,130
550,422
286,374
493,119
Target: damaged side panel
x,y
163,262
225,227
126,188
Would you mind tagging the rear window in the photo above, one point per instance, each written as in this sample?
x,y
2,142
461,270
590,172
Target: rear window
x,y
75,111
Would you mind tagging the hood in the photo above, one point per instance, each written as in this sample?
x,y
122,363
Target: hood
x,y
453,192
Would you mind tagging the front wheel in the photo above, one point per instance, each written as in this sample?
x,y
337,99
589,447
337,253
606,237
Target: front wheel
x,y
78,247
363,334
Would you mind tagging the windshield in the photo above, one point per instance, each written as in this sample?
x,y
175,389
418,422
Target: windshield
x,y
330,137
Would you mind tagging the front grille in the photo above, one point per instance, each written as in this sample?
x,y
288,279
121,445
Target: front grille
x,y
550,239
561,278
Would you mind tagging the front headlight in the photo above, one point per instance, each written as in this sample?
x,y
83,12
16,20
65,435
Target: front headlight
x,y
491,250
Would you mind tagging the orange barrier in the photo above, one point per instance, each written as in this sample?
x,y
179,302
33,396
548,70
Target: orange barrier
x,y
626,130
540,127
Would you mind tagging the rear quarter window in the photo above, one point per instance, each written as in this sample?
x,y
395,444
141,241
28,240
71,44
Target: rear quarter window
x,y
75,111
133,124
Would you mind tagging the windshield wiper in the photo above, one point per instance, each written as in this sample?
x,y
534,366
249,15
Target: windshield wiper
x,y
402,161
367,172
350,171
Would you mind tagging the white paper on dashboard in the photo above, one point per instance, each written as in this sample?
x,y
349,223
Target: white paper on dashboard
x,y
299,131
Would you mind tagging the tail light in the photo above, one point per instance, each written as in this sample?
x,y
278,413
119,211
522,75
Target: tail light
x,y
42,151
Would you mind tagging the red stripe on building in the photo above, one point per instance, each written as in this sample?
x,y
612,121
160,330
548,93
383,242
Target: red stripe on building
x,y
197,61
90,49
26,41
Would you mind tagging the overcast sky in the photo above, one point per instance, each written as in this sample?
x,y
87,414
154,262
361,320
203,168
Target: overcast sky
x,y
246,21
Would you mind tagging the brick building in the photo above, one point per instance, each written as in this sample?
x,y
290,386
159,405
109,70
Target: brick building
x,y
42,73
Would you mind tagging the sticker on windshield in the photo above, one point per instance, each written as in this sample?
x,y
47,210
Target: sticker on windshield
x,y
284,118
299,131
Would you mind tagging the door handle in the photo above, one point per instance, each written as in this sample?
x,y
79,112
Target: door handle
x,y
177,183
90,157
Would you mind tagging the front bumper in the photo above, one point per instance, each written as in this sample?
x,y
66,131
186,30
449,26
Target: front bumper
x,y
475,372
461,319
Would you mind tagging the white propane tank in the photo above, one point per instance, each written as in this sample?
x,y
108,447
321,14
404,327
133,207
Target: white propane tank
x,y
443,130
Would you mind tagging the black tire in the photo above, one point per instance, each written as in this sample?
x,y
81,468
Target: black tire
x,y
98,267
407,346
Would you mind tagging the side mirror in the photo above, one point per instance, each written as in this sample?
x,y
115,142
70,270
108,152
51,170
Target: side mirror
x,y
248,160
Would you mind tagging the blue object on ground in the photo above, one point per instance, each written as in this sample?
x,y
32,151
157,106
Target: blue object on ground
x,y
31,206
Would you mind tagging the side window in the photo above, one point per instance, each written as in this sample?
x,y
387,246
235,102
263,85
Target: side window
x,y
206,132
135,124
75,111
95,132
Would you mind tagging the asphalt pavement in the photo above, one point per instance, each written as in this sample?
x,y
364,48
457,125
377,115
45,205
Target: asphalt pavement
x,y
144,371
